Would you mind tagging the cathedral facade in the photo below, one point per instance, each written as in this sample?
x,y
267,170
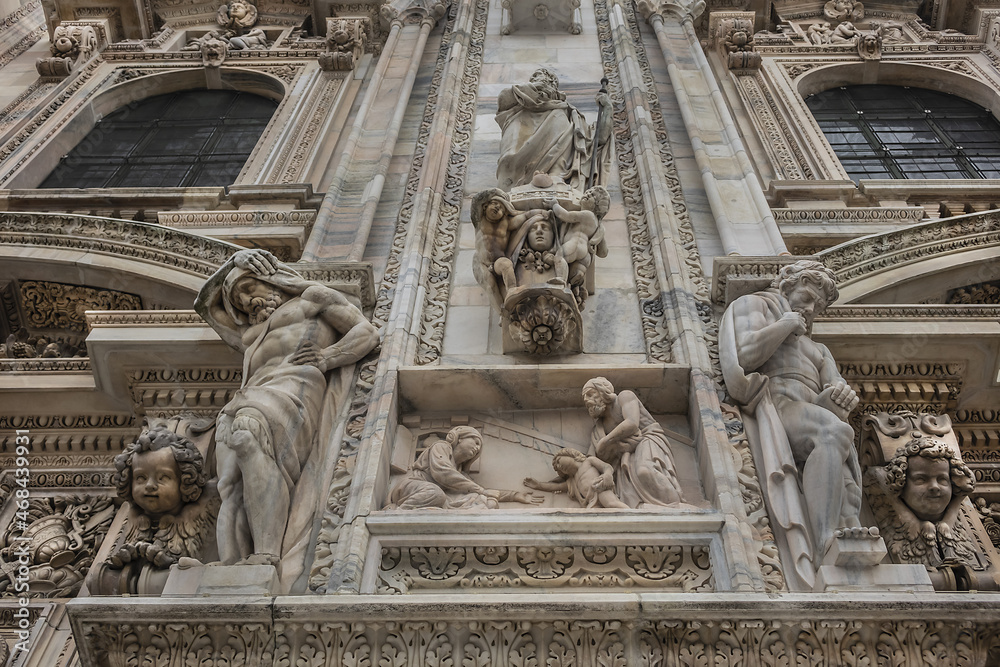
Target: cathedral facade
x,y
551,333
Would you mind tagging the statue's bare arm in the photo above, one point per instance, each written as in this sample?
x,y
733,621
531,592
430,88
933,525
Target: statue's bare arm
x,y
358,338
608,447
757,340
837,396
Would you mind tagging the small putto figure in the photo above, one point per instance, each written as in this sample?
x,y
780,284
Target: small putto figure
x,y
586,479
582,229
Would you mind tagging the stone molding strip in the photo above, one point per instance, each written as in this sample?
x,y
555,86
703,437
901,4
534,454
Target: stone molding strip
x,y
617,629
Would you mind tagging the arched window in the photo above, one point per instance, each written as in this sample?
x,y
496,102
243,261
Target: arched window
x,y
183,139
897,132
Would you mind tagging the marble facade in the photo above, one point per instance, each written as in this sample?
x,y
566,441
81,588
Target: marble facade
x,y
420,543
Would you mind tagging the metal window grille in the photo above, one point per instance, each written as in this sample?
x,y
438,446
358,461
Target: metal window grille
x,y
183,139
902,132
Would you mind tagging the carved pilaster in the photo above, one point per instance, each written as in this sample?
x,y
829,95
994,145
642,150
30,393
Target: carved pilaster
x,y
412,12
678,9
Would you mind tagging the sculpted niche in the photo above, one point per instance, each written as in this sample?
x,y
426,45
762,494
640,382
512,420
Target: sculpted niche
x,y
300,340
791,386
537,234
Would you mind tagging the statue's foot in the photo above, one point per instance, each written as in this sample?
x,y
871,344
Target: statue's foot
x,y
260,559
857,533
558,282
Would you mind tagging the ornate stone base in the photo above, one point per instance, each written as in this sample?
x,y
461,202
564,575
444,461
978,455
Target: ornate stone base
x,y
543,320
542,629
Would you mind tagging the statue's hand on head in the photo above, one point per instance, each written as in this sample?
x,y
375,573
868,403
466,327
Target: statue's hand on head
x,y
256,260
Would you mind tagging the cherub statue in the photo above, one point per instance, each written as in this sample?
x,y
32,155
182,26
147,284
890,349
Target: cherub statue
x,y
581,229
819,33
255,39
917,497
495,220
439,479
587,479
174,506
845,33
237,15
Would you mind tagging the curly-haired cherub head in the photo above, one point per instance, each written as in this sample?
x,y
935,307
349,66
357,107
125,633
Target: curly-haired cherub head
x,y
597,200
926,475
160,472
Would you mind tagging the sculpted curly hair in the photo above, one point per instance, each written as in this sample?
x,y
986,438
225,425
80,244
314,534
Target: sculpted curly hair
x,y
189,462
962,481
809,271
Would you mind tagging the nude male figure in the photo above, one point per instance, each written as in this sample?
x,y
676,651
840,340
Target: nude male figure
x,y
812,400
292,332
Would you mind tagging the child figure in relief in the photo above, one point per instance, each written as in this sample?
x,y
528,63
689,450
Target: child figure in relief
x,y
495,220
586,479
581,229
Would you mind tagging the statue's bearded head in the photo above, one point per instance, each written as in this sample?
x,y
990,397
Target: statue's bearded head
x,y
808,286
544,80
256,298
598,394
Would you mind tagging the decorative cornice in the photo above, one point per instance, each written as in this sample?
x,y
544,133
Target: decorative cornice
x,y
871,254
143,318
146,242
72,365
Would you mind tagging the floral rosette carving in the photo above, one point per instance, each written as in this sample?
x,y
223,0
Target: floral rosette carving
x,y
541,324
438,563
545,562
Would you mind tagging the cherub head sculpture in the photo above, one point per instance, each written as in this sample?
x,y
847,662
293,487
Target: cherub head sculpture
x,y
927,476
160,472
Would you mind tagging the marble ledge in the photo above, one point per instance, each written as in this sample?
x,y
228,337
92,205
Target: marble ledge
x,y
458,607
548,522
663,388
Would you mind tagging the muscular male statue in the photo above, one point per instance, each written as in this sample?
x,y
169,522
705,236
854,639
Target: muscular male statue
x,y
292,332
766,351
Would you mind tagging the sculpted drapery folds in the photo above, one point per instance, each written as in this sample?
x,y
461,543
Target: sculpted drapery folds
x,y
791,384
439,478
542,132
292,332
626,436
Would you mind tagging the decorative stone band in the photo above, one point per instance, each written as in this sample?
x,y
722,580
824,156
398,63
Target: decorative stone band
x,y
542,629
154,244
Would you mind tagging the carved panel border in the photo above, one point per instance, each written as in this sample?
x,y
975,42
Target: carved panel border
x,y
772,126
343,475
508,565
926,631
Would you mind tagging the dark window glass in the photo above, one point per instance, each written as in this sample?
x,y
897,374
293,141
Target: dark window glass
x,y
183,139
896,132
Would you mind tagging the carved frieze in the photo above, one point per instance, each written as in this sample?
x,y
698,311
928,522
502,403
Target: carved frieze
x,y
49,305
590,640
676,567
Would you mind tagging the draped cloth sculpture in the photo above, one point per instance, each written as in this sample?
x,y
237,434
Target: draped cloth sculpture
x,y
292,332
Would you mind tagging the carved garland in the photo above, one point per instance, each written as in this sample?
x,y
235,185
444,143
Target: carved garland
x,y
336,504
151,243
774,127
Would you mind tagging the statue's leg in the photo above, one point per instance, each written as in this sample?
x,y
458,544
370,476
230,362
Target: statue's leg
x,y
265,494
824,443
232,531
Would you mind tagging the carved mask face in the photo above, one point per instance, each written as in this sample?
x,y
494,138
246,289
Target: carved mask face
x,y
806,299
928,487
540,236
156,485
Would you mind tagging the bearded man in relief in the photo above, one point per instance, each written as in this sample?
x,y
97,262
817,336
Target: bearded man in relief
x,y
293,332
